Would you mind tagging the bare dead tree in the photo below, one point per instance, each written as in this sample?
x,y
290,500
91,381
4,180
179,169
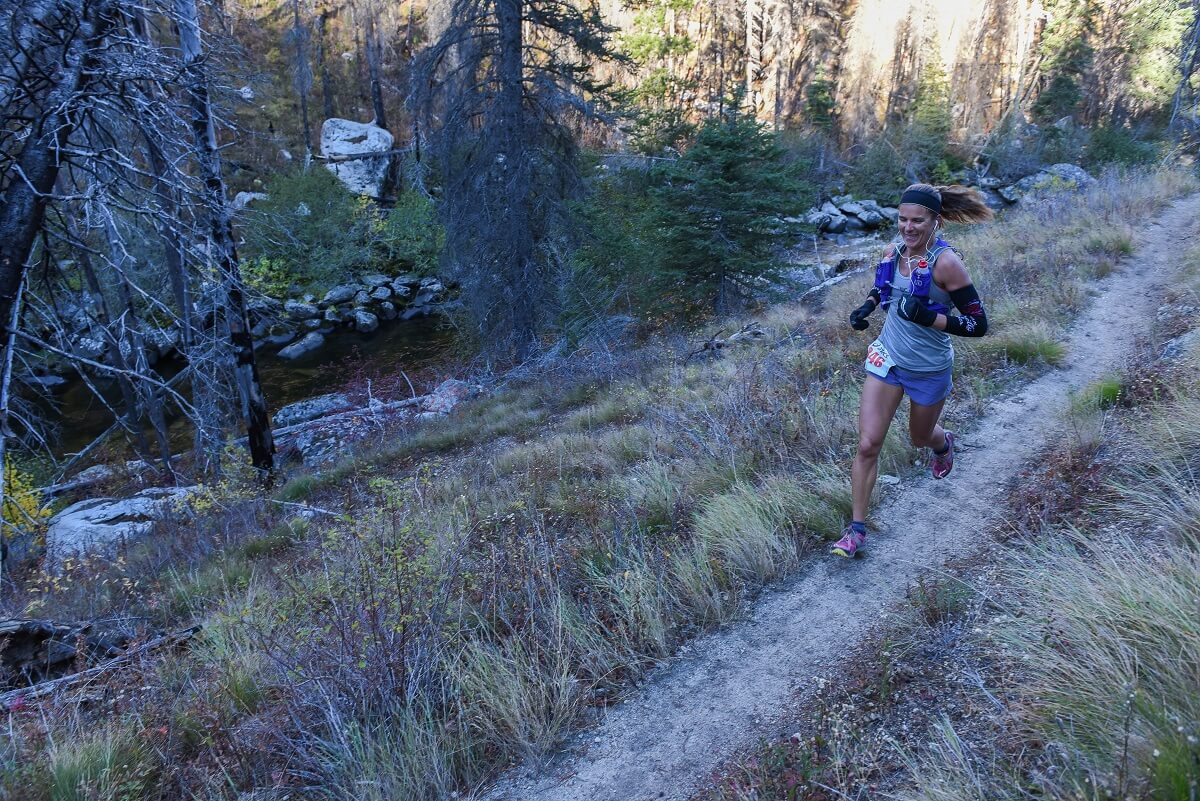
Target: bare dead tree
x,y
221,241
302,76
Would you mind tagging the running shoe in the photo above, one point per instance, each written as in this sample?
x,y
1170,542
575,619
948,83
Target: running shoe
x,y
851,541
943,463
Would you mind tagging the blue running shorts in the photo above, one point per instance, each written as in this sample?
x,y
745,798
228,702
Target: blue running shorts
x,y
925,389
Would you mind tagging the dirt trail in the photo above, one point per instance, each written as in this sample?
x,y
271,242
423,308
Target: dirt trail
x,y
729,689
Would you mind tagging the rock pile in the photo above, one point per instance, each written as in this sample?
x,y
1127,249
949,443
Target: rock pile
x,y
845,214
301,324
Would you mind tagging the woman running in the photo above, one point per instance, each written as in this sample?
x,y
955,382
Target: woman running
x,y
917,281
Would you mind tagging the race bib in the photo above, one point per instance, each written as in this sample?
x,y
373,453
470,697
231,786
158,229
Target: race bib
x,y
879,361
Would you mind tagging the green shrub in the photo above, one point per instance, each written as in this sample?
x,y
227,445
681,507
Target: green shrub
x,y
409,237
1113,145
878,172
310,230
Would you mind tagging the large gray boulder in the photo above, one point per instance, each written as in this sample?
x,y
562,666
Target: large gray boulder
x,y
1048,181
300,311
309,343
342,138
101,525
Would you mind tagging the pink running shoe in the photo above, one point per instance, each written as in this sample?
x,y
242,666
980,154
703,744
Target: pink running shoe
x,y
849,544
943,463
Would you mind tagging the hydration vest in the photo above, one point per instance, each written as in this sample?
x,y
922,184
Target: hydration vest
x,y
920,279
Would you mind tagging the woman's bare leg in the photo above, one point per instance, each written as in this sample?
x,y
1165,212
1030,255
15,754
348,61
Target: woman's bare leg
x,y
923,426
875,412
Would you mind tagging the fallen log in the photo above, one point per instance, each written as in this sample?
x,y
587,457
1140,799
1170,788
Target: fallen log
x,y
52,685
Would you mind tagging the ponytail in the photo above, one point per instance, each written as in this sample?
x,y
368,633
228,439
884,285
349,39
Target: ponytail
x,y
958,203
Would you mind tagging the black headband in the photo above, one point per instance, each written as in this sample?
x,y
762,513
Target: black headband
x,y
923,198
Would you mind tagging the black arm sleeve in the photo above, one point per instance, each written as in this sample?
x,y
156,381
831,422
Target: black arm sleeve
x,y
973,323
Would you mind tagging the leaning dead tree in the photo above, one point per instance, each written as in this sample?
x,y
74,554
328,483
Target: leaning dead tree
x,y
112,189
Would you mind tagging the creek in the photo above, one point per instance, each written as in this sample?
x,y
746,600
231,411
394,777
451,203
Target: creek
x,y
406,345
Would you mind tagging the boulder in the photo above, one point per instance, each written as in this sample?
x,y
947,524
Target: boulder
x,y
300,311
838,200
100,525
423,298
387,310
401,290
335,315
365,321
376,280
416,311
871,219
448,394
243,199
854,224
312,325
281,336
993,199
817,219
311,409
1052,179
851,207
892,215
362,298
340,294
346,138
432,284
407,279
830,209
309,343
1072,173
381,293
836,224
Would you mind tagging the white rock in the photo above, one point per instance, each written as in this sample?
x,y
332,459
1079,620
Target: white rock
x,y
301,311
243,199
381,293
362,176
99,525
448,394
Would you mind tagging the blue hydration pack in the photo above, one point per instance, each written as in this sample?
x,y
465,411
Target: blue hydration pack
x,y
921,279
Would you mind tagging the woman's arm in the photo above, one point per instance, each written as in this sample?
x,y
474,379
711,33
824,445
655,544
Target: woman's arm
x,y
951,275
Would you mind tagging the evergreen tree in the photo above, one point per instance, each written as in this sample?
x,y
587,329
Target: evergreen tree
x,y
818,100
1067,56
716,213
927,135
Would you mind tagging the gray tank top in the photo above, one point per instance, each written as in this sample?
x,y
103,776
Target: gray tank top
x,y
915,347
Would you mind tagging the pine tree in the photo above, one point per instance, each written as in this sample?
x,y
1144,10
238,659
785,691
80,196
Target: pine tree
x,y
718,210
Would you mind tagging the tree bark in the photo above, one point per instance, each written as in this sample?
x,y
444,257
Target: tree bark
x,y
224,252
323,65
513,171
37,168
303,79
374,67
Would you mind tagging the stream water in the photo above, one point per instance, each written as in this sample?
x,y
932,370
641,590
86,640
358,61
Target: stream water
x,y
400,345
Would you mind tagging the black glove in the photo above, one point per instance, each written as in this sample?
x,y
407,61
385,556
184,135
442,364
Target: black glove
x,y
911,309
858,317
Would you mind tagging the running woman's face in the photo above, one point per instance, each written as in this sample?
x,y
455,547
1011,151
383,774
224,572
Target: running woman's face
x,y
916,225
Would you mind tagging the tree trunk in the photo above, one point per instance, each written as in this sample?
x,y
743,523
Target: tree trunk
x,y
323,65
222,248
513,173
303,79
24,207
374,68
